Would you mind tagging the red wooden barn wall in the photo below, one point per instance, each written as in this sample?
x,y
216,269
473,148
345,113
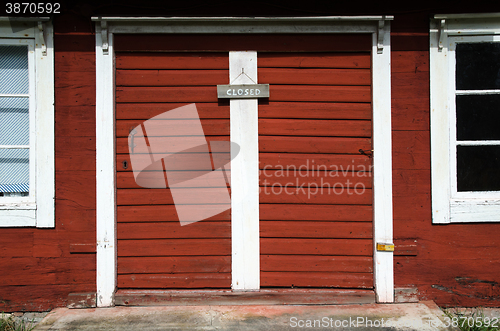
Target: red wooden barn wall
x,y
453,264
40,267
456,264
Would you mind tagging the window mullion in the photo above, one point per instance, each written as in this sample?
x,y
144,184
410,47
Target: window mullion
x,y
476,92
478,142
32,120
14,95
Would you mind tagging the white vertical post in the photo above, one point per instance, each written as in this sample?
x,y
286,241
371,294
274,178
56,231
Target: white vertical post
x,y
244,176
442,71
105,173
382,167
45,169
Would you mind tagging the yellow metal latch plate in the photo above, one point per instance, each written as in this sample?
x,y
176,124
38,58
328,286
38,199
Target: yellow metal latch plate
x,y
385,247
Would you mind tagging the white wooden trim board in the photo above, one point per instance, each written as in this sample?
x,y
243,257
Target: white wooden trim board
x,y
382,168
449,205
244,123
105,173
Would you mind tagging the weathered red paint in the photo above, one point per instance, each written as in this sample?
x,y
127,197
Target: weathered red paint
x,y
451,264
455,264
39,267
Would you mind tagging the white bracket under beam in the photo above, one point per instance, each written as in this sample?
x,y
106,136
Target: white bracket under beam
x,y
441,28
104,36
380,36
43,43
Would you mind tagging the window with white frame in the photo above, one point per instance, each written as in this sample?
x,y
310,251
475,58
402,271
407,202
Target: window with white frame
x,y
465,118
16,127
26,123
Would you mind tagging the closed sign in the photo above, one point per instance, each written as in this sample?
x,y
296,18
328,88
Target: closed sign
x,y
243,91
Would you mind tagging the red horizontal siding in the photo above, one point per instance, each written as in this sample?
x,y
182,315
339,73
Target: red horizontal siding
x,y
178,280
239,42
174,264
320,145
312,60
316,279
172,230
211,127
164,213
143,111
310,137
160,61
317,263
316,110
310,229
174,247
154,250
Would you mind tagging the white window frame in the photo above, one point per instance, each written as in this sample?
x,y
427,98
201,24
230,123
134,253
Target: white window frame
x,y
449,205
27,202
36,209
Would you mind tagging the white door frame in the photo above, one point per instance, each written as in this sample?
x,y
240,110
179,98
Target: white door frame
x,y
106,27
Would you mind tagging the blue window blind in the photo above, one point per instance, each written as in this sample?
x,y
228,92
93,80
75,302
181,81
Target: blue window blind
x,y
14,121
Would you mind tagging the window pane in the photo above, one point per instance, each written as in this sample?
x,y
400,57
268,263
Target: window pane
x,y
14,76
478,66
478,168
14,171
14,121
478,117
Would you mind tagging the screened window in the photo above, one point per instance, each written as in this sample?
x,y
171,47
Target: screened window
x,y
15,149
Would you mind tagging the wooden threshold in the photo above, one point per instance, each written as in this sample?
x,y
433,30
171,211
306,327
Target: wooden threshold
x,y
228,297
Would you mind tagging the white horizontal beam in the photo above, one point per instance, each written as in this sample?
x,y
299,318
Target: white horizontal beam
x,y
235,25
17,218
10,204
475,210
459,16
241,27
245,19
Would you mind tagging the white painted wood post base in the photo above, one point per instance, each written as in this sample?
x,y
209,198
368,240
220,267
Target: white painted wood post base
x,y
244,177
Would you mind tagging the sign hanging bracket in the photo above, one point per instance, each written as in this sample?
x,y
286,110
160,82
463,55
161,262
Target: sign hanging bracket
x,y
104,37
243,73
442,24
43,43
380,36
